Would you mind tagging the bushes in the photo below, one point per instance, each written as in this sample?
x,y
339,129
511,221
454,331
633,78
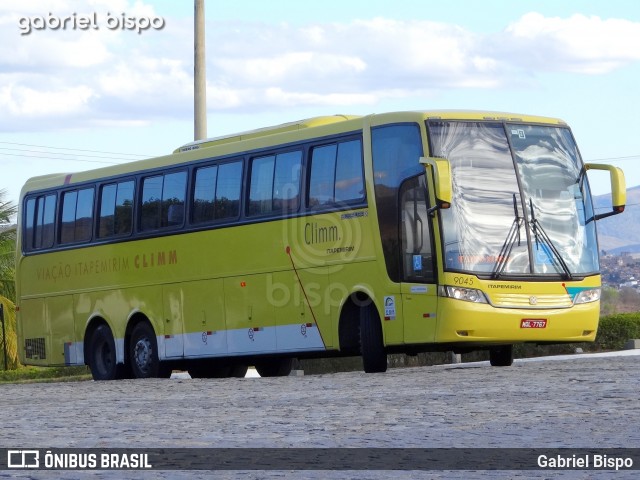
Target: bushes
x,y
616,329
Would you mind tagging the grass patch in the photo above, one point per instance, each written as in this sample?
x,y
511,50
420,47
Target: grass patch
x,y
45,374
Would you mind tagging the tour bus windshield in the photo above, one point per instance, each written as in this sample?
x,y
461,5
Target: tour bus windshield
x,y
520,204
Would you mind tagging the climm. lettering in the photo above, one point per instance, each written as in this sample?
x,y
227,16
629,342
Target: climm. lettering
x,y
156,259
315,234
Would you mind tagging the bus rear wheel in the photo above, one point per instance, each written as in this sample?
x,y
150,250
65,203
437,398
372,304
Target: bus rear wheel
x,y
102,354
374,357
501,356
143,353
274,367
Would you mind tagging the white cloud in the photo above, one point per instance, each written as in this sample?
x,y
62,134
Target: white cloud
x,y
105,76
581,44
27,102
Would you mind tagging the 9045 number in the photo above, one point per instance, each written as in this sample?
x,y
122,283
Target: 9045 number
x,y
466,281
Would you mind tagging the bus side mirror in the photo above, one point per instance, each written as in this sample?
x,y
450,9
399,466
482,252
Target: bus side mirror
x,y
618,188
441,175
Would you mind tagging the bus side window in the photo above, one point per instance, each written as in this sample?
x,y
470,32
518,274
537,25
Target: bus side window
x,y
275,183
286,182
44,221
260,193
228,188
163,201
323,173
216,193
28,224
336,174
116,209
173,194
204,194
77,216
349,174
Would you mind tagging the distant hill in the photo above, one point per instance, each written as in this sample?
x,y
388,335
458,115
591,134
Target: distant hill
x,y
620,233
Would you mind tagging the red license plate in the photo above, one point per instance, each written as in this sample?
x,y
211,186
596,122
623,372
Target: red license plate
x,y
533,323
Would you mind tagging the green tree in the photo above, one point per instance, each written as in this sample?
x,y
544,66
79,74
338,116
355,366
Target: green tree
x,y
7,277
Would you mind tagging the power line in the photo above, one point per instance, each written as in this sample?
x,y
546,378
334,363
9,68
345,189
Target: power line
x,y
58,158
617,159
75,149
68,154
62,153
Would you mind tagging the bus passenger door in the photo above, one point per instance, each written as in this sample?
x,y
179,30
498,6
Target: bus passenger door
x,y
418,288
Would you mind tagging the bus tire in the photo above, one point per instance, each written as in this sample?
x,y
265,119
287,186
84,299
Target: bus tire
x,y
501,356
274,367
143,353
102,354
374,357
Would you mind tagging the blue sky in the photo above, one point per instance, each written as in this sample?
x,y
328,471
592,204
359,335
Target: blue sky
x,y
72,99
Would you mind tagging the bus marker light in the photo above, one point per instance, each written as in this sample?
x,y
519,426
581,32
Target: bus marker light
x,y
533,323
243,284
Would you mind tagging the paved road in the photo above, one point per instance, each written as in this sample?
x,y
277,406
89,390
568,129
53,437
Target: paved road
x,y
586,401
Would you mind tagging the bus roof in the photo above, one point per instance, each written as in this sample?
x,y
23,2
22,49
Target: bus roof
x,y
263,132
269,136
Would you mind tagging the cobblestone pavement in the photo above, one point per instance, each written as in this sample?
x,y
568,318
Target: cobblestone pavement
x,y
583,402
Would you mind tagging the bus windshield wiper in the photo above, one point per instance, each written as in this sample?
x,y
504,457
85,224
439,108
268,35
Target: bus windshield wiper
x,y
507,247
543,239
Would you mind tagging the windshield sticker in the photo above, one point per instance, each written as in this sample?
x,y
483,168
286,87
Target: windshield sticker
x,y
519,132
543,255
417,263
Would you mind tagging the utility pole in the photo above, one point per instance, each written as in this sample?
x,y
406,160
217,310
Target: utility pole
x,y
199,74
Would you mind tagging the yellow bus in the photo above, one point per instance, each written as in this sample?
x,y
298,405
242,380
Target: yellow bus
x,y
333,236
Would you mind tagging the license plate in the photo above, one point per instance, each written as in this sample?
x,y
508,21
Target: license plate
x,y
533,323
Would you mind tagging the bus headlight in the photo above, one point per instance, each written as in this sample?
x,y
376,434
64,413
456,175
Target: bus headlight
x,y
587,296
465,294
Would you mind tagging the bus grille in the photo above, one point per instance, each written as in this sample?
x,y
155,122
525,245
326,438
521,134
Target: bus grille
x,y
34,348
520,300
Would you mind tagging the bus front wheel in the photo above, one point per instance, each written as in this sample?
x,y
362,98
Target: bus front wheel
x,y
374,357
143,353
102,354
501,356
